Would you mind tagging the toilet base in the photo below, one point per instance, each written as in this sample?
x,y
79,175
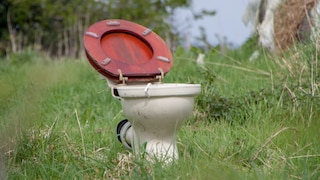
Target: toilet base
x,y
153,149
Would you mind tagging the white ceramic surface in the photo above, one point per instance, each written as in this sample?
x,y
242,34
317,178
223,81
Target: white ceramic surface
x,y
156,112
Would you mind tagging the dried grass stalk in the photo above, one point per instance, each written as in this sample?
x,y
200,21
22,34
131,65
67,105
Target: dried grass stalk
x,y
292,22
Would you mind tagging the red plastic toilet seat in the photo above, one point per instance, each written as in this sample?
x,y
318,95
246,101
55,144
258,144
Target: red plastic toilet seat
x,y
119,48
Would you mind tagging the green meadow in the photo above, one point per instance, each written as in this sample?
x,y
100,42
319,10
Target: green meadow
x,y
256,119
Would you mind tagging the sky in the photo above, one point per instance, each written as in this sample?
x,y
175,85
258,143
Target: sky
x,y
226,23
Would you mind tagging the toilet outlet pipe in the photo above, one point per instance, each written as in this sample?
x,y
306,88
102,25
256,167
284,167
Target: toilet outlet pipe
x,y
125,134
162,150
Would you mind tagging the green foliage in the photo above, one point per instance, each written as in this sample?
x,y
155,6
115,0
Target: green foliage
x,y
56,27
253,120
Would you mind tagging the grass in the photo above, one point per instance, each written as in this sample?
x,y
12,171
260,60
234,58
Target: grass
x,y
253,120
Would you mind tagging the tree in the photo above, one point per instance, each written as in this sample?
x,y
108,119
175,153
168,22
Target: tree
x,y
57,26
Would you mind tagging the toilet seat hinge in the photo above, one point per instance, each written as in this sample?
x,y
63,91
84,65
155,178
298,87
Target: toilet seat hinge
x,y
121,77
161,76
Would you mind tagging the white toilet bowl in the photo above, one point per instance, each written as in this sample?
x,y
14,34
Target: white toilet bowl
x,y
155,112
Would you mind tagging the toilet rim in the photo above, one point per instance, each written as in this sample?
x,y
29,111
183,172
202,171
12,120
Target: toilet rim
x,y
156,90
142,69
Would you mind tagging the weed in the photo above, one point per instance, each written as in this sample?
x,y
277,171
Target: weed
x,y
253,120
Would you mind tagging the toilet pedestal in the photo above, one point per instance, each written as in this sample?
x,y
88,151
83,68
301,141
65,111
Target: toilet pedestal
x,y
155,122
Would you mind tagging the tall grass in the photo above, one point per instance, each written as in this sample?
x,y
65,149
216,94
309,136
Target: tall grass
x,y
253,120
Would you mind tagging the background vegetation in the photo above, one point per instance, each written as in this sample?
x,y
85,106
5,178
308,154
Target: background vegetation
x,y
56,27
253,120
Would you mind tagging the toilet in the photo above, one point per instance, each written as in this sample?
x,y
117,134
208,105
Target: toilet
x,y
134,60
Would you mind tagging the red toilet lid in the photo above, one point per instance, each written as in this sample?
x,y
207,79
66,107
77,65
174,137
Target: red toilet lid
x,y
115,47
